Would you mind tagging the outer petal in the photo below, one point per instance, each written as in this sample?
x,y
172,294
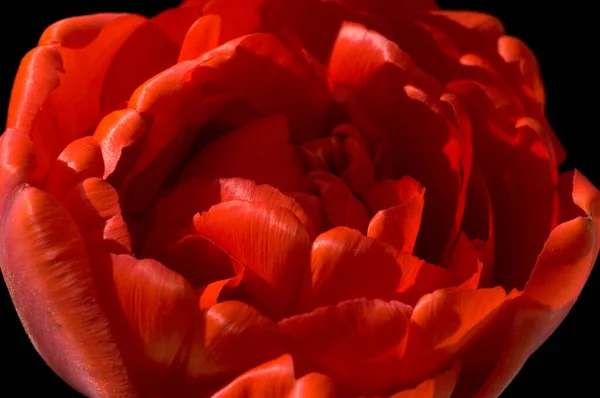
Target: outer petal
x,y
96,78
61,308
443,324
277,378
556,281
358,343
17,163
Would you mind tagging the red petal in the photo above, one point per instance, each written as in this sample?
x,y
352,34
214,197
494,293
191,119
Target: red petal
x,y
81,159
398,226
443,324
94,206
260,151
176,22
313,207
116,132
385,194
277,378
465,264
358,343
561,271
204,35
568,209
159,305
341,207
440,386
346,265
232,337
17,163
478,223
61,308
273,79
419,278
268,240
518,165
239,17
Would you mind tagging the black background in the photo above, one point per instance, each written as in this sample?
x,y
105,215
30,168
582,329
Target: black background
x,y
563,36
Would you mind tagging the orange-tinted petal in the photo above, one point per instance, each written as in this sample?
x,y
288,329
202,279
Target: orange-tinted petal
x,y
358,343
277,378
440,386
341,207
81,159
268,240
556,281
260,151
61,308
231,338
346,264
443,324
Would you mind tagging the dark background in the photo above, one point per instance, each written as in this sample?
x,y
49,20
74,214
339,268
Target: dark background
x,y
564,38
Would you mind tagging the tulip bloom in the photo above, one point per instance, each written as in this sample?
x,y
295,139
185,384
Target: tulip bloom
x,y
288,198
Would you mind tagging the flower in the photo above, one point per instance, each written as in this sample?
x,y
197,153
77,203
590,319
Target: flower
x,y
274,198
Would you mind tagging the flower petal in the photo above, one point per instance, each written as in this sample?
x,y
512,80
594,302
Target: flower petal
x,y
419,278
560,273
465,264
231,338
81,159
341,207
159,306
277,378
204,35
345,265
440,386
358,343
94,206
268,240
398,226
443,324
260,151
17,164
175,22
519,168
61,309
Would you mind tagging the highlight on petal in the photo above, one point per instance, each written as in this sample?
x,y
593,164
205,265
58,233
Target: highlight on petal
x,y
559,275
75,337
346,264
269,241
358,342
277,378
419,278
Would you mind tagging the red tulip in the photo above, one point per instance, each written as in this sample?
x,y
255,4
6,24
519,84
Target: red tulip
x,y
288,198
